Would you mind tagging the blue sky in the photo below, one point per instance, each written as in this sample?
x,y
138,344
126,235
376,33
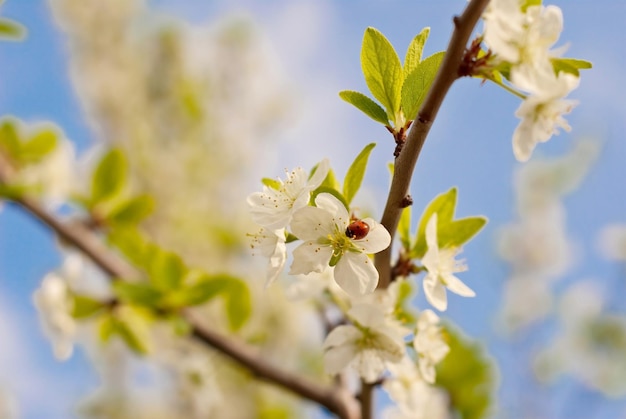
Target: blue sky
x,y
318,44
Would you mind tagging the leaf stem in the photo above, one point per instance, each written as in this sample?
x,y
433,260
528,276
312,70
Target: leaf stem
x,y
506,87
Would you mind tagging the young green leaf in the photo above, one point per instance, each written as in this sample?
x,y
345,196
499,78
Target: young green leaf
x,y
404,228
365,105
356,171
330,181
39,146
459,232
166,270
130,336
570,65
444,205
9,139
109,178
132,211
238,304
11,30
417,84
83,306
333,192
137,293
468,375
383,71
203,288
132,244
414,52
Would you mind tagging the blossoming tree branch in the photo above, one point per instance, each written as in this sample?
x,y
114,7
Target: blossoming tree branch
x,y
358,274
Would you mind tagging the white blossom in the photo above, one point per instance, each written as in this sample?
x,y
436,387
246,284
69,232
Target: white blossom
x,y
441,267
522,38
271,244
366,346
415,398
274,208
429,344
541,113
323,230
54,303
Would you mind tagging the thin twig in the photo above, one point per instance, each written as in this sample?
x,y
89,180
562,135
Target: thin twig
x,y
337,400
405,162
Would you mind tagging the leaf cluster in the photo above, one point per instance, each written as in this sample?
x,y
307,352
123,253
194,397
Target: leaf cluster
x,y
109,200
451,232
399,88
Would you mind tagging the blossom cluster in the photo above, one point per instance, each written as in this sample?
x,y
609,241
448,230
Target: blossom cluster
x,y
521,39
332,259
330,235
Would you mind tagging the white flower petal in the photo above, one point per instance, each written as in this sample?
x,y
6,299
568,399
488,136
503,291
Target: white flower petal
x,y
455,285
435,293
341,335
320,174
376,240
339,357
310,257
355,274
334,206
310,223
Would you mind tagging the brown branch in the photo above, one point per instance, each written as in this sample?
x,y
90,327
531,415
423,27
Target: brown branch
x,y
405,163
337,400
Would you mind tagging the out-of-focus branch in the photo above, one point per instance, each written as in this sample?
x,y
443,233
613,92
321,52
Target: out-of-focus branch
x,y
337,400
405,162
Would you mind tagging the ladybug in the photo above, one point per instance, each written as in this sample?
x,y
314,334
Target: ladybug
x,y
357,230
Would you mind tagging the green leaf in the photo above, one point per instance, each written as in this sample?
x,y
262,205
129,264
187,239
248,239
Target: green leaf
x,y
109,177
417,84
133,210
365,105
469,376
330,181
137,293
106,327
356,171
130,324
204,288
459,232
333,192
84,306
414,52
132,245
570,65
383,71
130,336
404,228
166,270
12,30
238,303
39,146
9,138
271,183
444,205
403,310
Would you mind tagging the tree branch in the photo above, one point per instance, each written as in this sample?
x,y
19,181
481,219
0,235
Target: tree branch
x,y
405,163
337,400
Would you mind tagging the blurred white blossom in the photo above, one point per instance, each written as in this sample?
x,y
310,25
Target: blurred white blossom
x,y
442,265
367,346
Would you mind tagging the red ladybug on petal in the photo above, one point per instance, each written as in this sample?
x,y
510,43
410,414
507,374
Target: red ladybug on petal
x,y
357,230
